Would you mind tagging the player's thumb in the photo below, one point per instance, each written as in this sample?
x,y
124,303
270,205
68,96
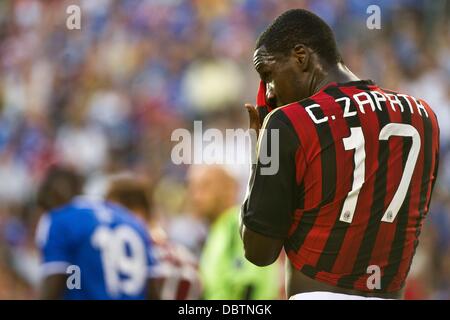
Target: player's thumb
x,y
253,117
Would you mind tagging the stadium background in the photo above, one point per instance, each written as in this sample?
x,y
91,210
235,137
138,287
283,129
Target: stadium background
x,y
107,97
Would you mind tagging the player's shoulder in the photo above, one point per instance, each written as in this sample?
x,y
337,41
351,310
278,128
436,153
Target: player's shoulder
x,y
82,208
418,103
65,219
298,110
284,122
67,211
295,117
283,116
123,216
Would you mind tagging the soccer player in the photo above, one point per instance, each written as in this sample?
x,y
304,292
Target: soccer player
x,y
357,165
90,249
176,277
225,273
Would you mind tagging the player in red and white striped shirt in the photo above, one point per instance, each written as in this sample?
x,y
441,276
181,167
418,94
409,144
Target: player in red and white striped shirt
x,y
357,165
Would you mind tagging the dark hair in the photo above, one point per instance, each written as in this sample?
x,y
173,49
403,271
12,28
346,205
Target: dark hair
x,y
298,26
130,192
58,188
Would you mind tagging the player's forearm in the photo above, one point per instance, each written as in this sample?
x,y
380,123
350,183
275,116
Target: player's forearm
x,y
53,287
154,288
259,249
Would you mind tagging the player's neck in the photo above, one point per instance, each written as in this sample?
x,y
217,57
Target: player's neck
x,y
336,73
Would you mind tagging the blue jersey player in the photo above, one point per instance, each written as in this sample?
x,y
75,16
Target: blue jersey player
x,y
90,249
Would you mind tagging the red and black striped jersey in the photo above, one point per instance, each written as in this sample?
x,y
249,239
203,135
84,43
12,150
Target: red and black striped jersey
x,y
346,181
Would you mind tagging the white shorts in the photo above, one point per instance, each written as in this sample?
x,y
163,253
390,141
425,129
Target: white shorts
x,y
324,295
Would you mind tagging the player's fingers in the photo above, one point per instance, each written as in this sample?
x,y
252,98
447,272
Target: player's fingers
x,y
254,117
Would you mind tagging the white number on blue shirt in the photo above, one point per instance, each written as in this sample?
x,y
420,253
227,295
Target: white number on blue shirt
x,y
113,245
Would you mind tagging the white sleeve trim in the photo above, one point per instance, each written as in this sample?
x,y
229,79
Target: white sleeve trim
x,y
42,231
54,267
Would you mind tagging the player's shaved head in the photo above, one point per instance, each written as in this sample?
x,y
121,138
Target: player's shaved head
x,y
296,56
298,26
212,189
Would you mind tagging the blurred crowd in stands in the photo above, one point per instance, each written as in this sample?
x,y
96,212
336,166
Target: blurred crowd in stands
x,y
106,98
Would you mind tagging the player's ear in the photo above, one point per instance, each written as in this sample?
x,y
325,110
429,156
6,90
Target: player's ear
x,y
302,56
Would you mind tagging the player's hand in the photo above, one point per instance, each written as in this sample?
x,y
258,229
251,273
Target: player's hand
x,y
253,114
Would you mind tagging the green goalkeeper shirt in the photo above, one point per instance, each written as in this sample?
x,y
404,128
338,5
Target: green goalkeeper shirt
x,y
225,272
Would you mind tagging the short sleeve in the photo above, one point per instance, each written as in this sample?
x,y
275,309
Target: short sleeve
x,y
53,240
271,197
